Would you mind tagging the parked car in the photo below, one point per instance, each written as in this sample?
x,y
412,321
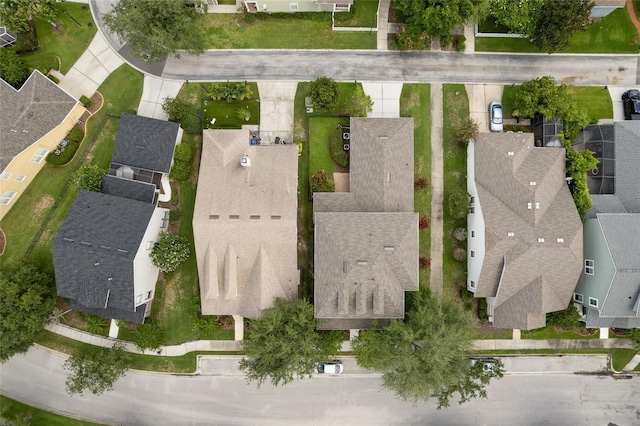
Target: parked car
x,y
495,116
488,364
330,367
631,104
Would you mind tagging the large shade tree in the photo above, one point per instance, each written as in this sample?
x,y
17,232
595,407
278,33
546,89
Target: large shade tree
x,y
17,14
158,28
13,69
283,344
26,303
426,356
440,17
95,369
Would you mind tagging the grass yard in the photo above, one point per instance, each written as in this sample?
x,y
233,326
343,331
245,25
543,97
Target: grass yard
x,y
305,207
226,113
550,332
621,357
344,91
320,129
415,102
594,100
614,33
281,32
363,14
62,48
455,108
48,198
13,410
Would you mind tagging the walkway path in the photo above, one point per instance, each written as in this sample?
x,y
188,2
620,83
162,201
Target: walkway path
x,y
631,365
437,188
383,24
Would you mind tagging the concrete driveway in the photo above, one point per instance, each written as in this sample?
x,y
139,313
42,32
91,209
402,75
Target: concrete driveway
x,y
616,97
276,110
154,91
385,97
480,95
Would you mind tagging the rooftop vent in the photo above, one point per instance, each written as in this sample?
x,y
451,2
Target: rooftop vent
x,y
245,161
511,234
362,262
541,240
560,240
532,184
389,248
510,153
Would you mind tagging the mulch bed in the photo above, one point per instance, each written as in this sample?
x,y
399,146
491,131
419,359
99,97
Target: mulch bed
x,y
98,100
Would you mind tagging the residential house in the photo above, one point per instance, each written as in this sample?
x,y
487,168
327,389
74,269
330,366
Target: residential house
x,y
143,151
298,5
366,240
35,119
524,232
244,223
608,292
101,251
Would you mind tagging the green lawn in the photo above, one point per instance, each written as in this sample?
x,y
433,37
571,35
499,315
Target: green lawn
x,y
614,33
68,44
594,100
415,102
281,32
48,198
455,108
11,410
320,128
621,357
550,332
226,113
305,206
363,14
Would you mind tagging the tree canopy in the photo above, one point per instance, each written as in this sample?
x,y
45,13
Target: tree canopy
x,y
427,355
169,252
283,344
16,14
95,369
324,93
27,303
542,96
158,28
13,69
437,17
88,177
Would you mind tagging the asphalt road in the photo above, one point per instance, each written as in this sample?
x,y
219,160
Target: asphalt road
x,y
373,65
558,398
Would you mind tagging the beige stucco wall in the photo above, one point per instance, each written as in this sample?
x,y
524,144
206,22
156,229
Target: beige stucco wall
x,y
285,5
22,165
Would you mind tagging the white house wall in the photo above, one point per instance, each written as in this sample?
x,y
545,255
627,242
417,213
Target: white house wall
x,y
475,225
145,273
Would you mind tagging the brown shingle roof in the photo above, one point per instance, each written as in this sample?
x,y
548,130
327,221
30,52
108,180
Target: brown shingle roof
x,y
535,270
245,224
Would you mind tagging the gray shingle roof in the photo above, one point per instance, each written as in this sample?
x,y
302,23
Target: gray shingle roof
x,y
146,143
245,224
127,188
532,272
622,234
366,241
93,264
30,113
627,145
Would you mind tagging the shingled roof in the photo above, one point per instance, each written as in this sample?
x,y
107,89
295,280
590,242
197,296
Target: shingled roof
x,y
30,113
366,241
245,224
94,266
127,188
145,143
533,234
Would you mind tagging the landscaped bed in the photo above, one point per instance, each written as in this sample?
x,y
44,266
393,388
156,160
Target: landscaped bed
x,y
233,114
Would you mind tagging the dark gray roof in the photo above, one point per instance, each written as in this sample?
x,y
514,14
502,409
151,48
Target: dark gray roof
x,y
127,188
30,113
93,264
136,317
145,143
622,235
594,320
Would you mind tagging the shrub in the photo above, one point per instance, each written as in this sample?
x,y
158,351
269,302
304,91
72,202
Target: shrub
x,y
459,254
482,310
424,262
65,156
86,101
243,114
458,204
420,183
466,130
13,69
88,177
567,319
206,324
410,37
183,152
424,222
175,108
148,336
358,104
460,44
320,182
180,171
169,252
75,135
324,93
460,234
516,128
95,325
